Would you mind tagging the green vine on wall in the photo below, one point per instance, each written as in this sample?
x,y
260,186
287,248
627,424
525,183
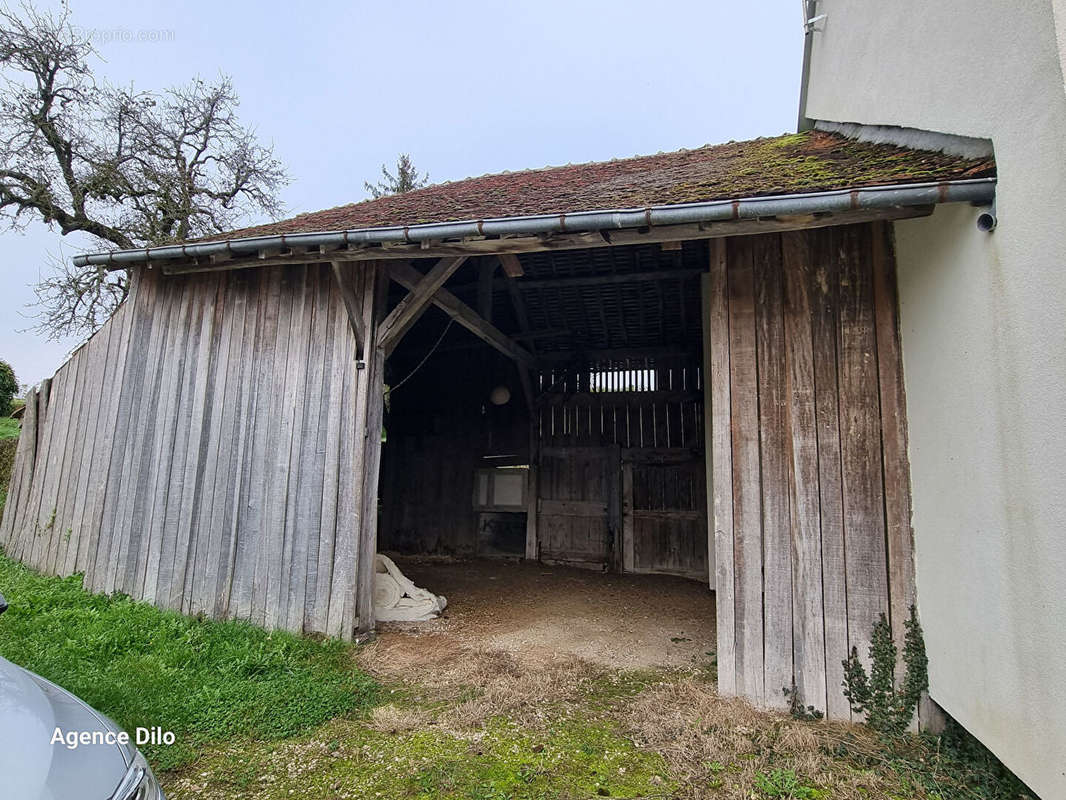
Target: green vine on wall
x,y
888,709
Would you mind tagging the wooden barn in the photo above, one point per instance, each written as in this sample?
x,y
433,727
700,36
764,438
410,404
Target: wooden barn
x,y
687,363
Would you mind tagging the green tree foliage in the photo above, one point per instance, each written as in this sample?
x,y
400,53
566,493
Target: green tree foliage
x,y
9,387
405,180
888,710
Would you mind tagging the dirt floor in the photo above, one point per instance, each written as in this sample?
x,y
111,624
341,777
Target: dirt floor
x,y
537,612
546,682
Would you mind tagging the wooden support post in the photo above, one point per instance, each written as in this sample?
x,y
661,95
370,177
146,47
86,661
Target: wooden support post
x,y
367,447
718,382
486,270
533,491
407,313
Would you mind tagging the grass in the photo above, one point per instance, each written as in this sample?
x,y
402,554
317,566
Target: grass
x,y
276,717
206,681
9,428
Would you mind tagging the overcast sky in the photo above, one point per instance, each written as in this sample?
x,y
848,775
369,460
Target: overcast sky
x,y
467,88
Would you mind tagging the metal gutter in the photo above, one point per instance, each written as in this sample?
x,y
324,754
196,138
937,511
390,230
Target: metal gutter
x,y
979,191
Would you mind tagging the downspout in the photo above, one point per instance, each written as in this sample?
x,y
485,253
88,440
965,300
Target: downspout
x,y
805,123
979,191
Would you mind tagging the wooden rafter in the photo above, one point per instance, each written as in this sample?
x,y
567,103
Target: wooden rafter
x,y
409,277
411,307
512,267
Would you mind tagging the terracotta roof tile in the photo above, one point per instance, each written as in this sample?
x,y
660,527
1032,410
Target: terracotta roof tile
x,y
790,164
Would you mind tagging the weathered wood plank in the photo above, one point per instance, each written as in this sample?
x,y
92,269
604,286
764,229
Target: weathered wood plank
x,y
249,589
138,483
246,300
97,394
335,367
719,450
363,617
860,439
190,553
897,485
808,626
825,289
215,463
308,505
161,511
275,466
107,470
774,471
295,417
747,502
74,443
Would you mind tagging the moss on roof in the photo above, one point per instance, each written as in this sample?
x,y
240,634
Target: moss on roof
x,y
790,164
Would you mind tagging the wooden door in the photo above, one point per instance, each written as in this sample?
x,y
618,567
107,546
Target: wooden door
x,y
578,505
664,516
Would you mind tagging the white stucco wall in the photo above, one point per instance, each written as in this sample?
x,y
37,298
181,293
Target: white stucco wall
x,y
984,350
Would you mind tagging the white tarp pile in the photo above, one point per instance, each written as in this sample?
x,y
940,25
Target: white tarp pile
x,y
397,599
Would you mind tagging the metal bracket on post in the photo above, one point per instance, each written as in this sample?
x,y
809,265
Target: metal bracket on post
x,y
811,16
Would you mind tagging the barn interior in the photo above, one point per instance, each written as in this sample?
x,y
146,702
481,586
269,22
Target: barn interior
x,y
586,452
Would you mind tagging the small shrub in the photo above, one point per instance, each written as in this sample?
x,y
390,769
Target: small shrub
x,y
888,710
7,462
9,387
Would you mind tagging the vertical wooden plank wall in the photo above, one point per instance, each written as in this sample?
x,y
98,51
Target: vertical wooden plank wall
x,y
807,446
199,452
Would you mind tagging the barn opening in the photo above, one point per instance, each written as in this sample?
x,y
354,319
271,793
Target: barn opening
x,y
590,457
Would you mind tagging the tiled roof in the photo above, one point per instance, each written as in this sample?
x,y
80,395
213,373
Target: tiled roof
x,y
791,164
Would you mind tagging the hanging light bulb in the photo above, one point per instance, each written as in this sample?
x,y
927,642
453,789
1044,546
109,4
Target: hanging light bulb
x,y
500,396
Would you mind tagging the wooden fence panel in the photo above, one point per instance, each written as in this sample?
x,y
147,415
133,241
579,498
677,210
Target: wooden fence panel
x,y
185,453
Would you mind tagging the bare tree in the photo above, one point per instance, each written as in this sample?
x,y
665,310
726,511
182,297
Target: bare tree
x,y
405,179
131,168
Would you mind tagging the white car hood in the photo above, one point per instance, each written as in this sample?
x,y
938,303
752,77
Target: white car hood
x,y
31,708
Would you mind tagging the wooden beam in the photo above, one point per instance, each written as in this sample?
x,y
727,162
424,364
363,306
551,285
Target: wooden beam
x,y
512,267
411,307
567,241
593,280
486,270
342,274
409,277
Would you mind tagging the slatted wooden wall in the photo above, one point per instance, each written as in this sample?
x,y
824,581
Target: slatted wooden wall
x,y
637,401
197,452
810,487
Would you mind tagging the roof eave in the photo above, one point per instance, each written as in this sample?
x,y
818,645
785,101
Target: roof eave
x,y
979,191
